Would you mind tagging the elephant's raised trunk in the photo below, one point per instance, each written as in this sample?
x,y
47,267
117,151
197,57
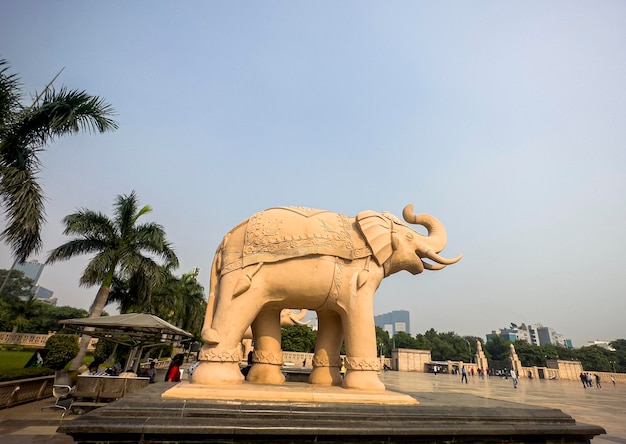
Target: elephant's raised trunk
x,y
289,317
437,235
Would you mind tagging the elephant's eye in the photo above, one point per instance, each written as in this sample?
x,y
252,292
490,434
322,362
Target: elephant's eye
x,y
409,235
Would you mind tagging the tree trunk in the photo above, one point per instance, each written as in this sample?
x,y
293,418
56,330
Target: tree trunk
x,y
95,312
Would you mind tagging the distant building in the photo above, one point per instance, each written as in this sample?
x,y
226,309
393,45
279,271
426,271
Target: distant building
x,y
394,322
44,295
31,270
535,334
602,344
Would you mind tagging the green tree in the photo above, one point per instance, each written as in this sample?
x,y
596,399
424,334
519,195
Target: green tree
x,y
404,340
49,317
619,345
104,349
618,357
21,310
498,348
383,342
25,131
594,358
298,338
181,302
530,355
178,300
17,285
122,247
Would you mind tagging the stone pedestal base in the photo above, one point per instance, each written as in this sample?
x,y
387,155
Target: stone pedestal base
x,y
149,417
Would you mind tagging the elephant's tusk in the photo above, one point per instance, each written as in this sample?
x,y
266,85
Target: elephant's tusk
x,y
430,254
430,266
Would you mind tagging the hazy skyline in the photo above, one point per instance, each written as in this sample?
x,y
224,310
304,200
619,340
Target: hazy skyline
x,y
503,120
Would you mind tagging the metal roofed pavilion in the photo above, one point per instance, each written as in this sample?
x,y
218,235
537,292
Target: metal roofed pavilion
x,y
136,330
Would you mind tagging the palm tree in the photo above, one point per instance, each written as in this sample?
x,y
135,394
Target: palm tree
x,y
119,245
187,305
178,300
25,131
22,310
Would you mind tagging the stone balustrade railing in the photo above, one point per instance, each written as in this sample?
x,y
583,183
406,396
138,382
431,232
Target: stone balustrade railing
x,y
32,340
25,390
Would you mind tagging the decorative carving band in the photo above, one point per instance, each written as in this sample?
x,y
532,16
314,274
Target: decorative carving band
x,y
327,361
363,364
267,358
221,355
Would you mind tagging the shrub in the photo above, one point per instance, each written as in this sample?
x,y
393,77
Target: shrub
x,y
25,373
61,349
103,351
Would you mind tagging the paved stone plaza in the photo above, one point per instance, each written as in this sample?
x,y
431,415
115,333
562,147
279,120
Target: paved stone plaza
x,y
604,407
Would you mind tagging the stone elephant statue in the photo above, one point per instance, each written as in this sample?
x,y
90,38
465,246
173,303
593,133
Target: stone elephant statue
x,y
296,257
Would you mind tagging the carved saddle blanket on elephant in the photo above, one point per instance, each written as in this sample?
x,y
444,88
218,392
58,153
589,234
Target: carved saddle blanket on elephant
x,y
288,232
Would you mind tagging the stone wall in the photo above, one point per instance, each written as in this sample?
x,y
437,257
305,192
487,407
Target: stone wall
x,y
294,359
408,360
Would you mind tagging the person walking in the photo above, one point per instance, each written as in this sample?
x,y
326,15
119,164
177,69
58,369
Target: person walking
x,y
613,380
514,378
173,372
152,371
463,375
598,381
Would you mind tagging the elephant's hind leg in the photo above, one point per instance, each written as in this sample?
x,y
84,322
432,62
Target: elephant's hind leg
x,y
326,361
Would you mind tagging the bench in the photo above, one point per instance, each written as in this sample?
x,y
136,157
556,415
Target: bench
x,y
96,391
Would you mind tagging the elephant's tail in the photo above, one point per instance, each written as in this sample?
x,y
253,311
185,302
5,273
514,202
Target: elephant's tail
x,y
209,335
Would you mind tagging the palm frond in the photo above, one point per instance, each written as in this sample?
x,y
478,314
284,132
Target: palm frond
x,y
89,223
72,111
100,268
23,202
10,96
75,247
24,132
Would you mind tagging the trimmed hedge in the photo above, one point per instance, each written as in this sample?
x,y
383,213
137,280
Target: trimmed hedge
x,y
25,373
61,350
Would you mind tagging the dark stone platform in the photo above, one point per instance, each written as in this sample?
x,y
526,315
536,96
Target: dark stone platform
x,y
145,417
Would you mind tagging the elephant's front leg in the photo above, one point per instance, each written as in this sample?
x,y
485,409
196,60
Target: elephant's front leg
x,y
220,361
326,361
267,357
362,364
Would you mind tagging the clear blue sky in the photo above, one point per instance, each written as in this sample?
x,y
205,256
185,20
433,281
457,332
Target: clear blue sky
x,y
505,120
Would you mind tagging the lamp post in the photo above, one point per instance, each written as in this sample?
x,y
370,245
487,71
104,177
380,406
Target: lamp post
x,y
613,364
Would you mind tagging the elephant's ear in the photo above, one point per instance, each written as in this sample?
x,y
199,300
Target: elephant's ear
x,y
377,231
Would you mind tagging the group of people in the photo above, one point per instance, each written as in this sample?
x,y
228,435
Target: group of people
x,y
93,369
587,380
512,373
173,373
